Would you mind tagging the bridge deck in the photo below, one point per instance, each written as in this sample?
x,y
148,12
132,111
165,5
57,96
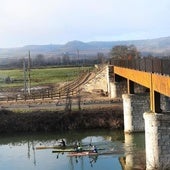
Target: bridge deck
x,y
155,82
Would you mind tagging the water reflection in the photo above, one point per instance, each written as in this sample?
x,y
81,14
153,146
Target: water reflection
x,y
20,151
75,161
134,152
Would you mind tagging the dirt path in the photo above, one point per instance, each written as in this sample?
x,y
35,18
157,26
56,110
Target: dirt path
x,y
97,105
88,101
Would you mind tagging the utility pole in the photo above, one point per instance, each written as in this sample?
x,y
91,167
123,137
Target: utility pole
x,y
29,74
78,96
78,62
25,76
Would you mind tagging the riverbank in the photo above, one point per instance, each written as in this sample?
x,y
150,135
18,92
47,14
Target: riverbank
x,y
46,121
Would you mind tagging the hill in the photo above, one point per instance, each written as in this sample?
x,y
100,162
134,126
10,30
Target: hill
x,y
158,47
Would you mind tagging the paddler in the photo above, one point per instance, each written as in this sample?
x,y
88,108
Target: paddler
x,y
78,147
63,143
94,149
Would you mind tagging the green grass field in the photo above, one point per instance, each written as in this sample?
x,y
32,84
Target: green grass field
x,y
43,76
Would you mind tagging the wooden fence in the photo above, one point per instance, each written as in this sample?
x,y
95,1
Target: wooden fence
x,y
69,89
72,88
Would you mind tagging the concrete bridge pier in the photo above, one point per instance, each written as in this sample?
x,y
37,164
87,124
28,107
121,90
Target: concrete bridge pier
x,y
113,90
134,105
157,143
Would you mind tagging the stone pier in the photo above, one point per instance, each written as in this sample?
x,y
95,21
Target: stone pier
x,y
134,105
154,108
113,90
157,140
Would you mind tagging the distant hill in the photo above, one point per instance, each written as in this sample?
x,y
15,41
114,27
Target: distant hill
x,y
156,47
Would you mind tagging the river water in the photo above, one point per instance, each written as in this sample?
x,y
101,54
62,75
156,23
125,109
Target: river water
x,y
126,152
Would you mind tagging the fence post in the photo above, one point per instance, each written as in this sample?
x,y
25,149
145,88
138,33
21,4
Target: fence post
x,y
33,97
145,64
152,70
161,66
42,95
16,97
51,94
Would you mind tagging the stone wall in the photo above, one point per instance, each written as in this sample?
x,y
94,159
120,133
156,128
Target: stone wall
x,y
99,82
121,88
165,103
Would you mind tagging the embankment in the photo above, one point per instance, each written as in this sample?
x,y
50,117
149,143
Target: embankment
x,y
39,121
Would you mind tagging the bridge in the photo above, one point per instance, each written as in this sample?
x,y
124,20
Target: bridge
x,y
145,88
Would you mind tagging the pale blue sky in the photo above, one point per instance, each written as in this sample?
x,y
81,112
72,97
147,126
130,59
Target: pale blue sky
x,y
25,22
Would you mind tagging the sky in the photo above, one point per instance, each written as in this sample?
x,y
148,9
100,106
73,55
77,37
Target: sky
x,y
41,22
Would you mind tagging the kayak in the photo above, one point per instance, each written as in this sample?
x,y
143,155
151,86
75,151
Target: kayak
x,y
73,150
63,150
84,153
57,147
54,147
87,153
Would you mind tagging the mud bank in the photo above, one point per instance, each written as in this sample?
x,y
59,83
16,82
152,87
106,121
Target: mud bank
x,y
60,120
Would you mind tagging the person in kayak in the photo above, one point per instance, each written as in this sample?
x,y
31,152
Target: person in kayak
x,y
94,149
78,147
63,143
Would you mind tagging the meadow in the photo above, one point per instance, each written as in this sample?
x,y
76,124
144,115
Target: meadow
x,y
39,76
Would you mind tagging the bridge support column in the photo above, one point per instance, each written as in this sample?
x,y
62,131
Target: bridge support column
x,y
113,90
134,106
157,141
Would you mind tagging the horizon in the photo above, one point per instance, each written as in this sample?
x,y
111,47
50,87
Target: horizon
x,y
25,22
82,42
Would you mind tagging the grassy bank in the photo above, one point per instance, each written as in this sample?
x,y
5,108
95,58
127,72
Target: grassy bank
x,y
46,121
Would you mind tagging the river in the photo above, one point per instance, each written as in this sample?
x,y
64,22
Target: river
x,y
18,151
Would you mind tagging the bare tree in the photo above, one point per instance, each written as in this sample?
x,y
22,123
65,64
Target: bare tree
x,y
39,60
100,58
125,52
65,59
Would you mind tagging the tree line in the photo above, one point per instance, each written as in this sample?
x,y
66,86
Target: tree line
x,y
42,60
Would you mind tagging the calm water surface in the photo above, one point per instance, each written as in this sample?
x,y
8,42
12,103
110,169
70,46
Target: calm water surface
x,y
18,152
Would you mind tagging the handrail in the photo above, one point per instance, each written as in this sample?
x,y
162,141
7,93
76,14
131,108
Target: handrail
x,y
153,65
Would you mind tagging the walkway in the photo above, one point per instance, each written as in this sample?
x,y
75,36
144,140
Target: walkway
x,y
155,76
